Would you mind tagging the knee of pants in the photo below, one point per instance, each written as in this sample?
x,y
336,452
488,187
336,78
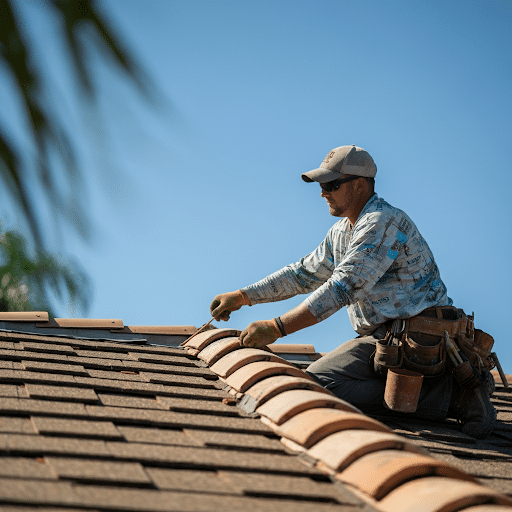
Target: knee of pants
x,y
349,361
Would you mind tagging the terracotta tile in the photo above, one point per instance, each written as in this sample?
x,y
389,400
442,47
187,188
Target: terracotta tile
x,y
25,467
309,427
199,406
66,394
267,388
439,494
342,448
135,402
215,350
193,436
201,340
247,376
78,428
231,362
157,436
42,366
94,471
289,403
39,444
231,439
16,425
378,473
190,481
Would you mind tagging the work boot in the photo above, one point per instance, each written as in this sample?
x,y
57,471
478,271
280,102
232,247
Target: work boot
x,y
491,383
473,408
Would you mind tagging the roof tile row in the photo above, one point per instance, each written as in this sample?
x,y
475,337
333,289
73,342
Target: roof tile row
x,y
360,451
102,435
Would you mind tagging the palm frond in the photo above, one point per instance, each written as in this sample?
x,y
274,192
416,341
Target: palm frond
x,y
83,30
30,282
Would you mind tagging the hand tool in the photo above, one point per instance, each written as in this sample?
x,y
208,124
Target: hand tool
x,y
500,370
202,328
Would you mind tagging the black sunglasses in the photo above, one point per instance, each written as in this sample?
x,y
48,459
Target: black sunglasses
x,y
334,185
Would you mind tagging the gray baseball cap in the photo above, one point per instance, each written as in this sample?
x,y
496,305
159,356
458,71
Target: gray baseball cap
x,y
345,160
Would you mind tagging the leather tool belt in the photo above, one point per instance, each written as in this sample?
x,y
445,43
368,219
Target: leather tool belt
x,y
439,339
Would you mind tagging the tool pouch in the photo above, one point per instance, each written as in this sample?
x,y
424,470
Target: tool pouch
x,y
477,349
421,347
386,357
424,353
467,375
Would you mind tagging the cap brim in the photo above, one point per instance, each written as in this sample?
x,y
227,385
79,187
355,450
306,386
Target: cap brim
x,y
320,175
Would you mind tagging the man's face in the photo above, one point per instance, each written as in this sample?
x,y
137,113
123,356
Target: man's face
x,y
341,200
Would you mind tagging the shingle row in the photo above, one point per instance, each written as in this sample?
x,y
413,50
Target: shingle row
x,y
112,434
363,453
138,427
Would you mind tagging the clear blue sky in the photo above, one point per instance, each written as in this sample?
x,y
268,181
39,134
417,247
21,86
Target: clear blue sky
x,y
208,197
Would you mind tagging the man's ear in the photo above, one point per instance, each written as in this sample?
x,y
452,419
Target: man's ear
x,y
360,186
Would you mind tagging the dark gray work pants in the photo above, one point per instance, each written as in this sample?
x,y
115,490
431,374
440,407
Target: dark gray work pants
x,y
347,373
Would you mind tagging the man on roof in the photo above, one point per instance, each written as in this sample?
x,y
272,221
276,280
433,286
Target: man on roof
x,y
375,263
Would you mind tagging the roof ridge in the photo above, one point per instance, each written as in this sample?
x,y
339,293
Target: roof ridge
x,y
379,465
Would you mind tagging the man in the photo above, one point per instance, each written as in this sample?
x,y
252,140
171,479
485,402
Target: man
x,y
375,262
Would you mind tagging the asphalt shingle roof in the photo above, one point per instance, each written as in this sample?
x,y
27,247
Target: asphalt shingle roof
x,y
93,418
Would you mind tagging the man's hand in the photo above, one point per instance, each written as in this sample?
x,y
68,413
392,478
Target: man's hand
x,y
260,334
223,304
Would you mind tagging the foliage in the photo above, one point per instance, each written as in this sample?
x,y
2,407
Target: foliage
x,y
27,283
47,169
